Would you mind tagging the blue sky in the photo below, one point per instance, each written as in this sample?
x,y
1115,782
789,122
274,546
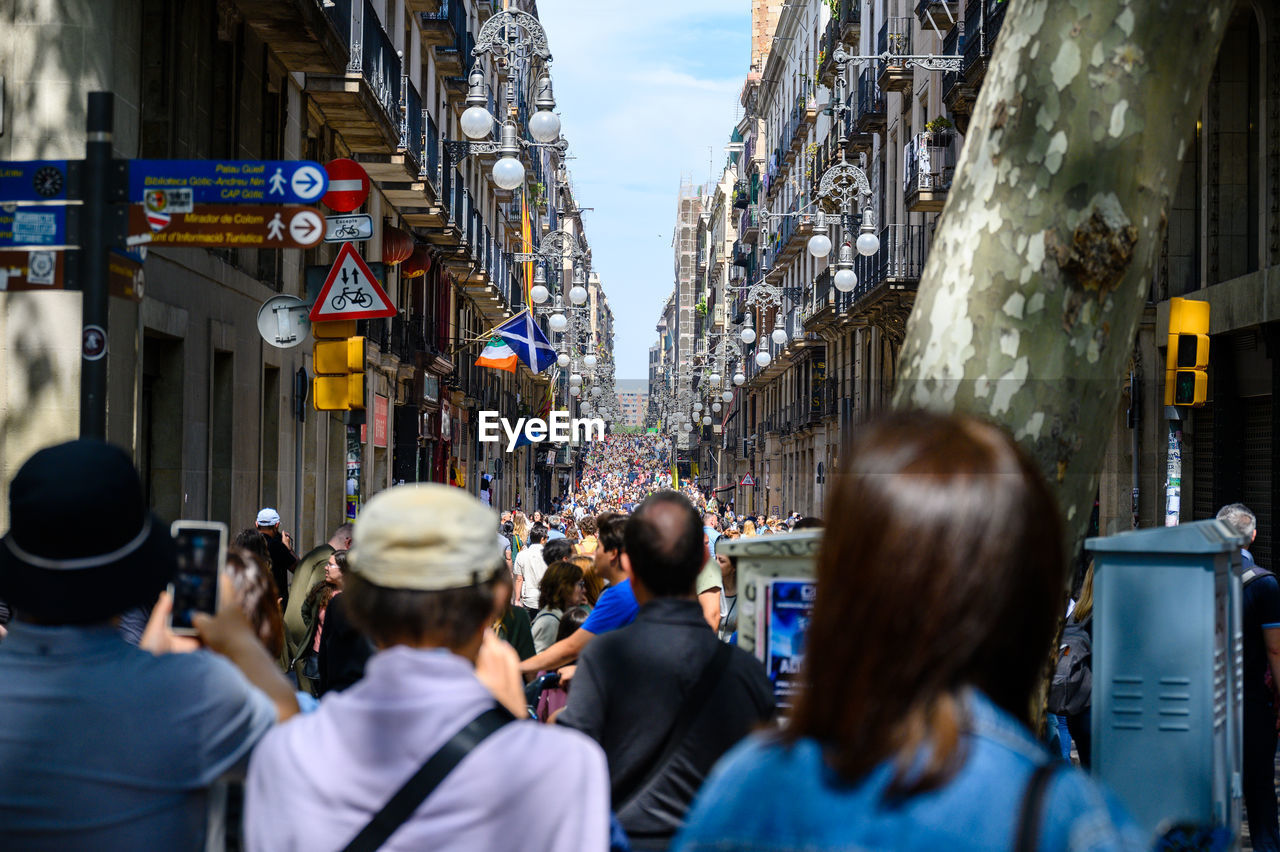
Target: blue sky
x,y
643,91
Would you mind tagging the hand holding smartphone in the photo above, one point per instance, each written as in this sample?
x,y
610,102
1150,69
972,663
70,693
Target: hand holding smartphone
x,y
202,553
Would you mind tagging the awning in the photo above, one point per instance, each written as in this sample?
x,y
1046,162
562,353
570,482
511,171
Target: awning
x,y
724,488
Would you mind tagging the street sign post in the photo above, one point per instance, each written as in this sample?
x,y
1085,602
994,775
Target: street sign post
x,y
229,226
38,226
39,180
354,227
348,185
351,291
231,181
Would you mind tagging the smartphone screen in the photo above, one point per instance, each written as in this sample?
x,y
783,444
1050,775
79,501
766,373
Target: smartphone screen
x,y
201,551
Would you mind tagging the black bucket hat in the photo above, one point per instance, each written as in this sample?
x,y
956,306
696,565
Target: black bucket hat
x,y
82,545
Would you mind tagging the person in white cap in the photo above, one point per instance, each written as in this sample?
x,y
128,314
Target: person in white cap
x,y
384,759
280,548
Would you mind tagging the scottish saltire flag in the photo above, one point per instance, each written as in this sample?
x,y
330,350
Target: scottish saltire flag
x,y
498,354
527,341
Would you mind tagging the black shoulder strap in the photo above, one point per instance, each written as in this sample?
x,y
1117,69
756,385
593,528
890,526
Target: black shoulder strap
x,y
415,791
1253,574
1028,835
688,712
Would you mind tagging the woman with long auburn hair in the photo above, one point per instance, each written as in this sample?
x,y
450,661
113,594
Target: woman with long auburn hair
x,y
940,579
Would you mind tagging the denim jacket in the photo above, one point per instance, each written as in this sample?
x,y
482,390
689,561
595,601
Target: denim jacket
x,y
764,796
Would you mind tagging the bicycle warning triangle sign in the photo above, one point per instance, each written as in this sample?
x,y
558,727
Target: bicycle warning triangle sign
x,y
351,292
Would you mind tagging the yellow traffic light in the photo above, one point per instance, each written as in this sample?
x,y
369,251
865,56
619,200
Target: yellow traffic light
x,y
1187,358
337,358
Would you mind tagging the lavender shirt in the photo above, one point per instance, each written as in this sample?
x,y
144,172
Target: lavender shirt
x,y
316,781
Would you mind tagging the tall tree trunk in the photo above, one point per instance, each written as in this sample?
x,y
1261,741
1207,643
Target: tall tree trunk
x,y
1033,289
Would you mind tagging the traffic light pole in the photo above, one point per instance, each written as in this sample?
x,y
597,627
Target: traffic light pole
x,y
94,243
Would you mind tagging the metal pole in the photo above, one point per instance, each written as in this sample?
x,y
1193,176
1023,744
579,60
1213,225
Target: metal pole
x,y
94,240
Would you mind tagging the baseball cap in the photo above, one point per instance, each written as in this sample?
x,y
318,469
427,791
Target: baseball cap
x,y
425,537
268,518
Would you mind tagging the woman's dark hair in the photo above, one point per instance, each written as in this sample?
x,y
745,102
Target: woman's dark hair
x,y
450,618
587,525
572,619
558,585
942,568
259,598
254,542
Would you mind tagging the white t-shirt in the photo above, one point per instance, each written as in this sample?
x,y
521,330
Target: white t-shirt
x,y
531,566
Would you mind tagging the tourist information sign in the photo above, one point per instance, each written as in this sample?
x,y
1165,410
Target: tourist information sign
x,y
228,226
231,181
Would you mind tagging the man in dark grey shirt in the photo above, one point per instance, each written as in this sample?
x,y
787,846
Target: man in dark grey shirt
x,y
631,683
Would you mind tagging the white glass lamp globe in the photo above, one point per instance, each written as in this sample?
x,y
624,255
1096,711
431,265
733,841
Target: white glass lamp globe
x,y
845,280
508,173
539,294
589,360
819,245
596,392
562,360
868,244
575,379
779,336
763,358
688,427
697,406
727,396
578,294
715,407
714,378
739,378
706,420
544,126
558,322
748,335
476,122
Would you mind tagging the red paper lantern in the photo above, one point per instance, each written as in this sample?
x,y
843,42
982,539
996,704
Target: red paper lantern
x,y
417,264
397,245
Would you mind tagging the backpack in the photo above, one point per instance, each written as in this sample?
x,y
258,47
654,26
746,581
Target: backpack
x,y
1072,685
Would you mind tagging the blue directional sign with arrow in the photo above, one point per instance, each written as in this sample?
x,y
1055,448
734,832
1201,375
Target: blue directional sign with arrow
x,y
231,181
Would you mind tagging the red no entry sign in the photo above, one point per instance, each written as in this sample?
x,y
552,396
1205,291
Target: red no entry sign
x,y
348,185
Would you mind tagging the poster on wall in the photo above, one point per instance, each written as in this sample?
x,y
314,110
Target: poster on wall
x,y
353,472
788,605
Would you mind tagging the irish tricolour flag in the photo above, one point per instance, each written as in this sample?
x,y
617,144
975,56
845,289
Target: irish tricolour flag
x,y
498,355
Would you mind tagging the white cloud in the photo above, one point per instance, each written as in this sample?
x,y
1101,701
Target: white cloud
x,y
643,92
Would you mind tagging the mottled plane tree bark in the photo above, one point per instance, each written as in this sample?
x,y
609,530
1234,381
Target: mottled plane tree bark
x,y
1030,299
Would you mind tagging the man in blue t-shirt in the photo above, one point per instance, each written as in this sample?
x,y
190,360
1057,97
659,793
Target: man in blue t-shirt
x,y
1261,657
616,608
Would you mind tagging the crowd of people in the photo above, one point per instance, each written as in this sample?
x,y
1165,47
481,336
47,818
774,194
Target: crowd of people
x,y
583,662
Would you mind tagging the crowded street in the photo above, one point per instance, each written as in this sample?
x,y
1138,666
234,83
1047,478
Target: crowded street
x,y
729,426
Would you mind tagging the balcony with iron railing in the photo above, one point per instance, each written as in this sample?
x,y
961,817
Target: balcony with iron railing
x,y
895,40
982,21
412,125
749,225
952,81
943,14
869,113
305,36
929,161
368,115
850,15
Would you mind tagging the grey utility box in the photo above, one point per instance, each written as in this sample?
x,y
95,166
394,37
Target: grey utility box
x,y
1167,658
